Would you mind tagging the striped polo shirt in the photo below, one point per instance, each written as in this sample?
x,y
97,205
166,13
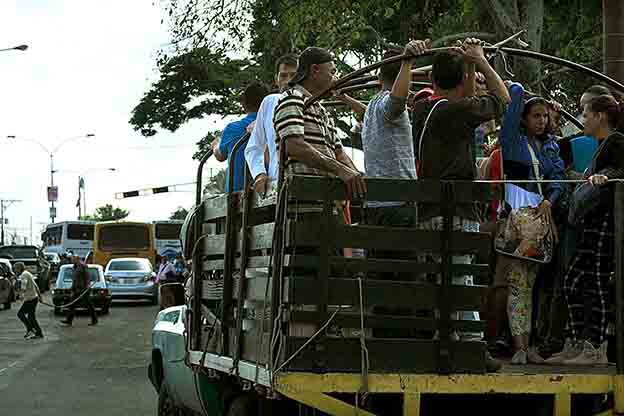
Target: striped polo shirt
x,y
313,123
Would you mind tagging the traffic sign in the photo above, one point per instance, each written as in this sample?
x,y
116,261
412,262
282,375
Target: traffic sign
x,y
52,193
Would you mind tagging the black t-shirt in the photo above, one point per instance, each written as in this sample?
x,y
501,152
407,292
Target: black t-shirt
x,y
446,151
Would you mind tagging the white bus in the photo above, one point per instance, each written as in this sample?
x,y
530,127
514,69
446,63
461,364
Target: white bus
x,y
167,238
69,236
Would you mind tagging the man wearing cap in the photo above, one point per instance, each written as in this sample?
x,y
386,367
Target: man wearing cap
x,y
263,134
312,145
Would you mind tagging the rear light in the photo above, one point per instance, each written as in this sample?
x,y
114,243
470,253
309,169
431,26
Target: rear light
x,y
104,292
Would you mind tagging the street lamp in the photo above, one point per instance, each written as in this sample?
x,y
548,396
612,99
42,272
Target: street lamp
x,y
51,154
15,48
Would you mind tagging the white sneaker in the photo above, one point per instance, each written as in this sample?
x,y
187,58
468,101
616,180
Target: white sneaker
x,y
519,358
589,355
571,349
533,357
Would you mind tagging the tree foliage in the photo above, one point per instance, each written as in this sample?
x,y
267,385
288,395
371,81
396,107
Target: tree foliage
x,y
107,213
216,183
179,214
200,76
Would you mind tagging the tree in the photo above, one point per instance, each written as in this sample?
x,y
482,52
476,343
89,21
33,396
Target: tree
x,y
107,213
197,67
216,183
179,214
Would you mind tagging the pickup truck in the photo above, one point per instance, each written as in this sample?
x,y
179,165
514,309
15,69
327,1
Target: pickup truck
x,y
34,261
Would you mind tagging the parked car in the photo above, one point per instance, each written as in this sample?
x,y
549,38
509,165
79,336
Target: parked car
x,y
100,293
34,261
8,283
132,278
55,263
173,380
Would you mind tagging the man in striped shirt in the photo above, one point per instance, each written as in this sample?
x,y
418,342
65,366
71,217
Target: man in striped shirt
x,y
312,145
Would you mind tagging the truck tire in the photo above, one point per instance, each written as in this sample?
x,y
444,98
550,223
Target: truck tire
x,y
243,405
166,406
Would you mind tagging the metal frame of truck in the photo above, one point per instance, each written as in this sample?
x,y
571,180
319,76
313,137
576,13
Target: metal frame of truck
x,y
308,368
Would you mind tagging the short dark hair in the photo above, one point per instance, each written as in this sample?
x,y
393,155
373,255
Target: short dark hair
x,y
607,104
598,90
390,72
447,70
288,59
253,95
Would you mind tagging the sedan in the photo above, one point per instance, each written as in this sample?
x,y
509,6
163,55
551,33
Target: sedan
x,y
132,278
99,292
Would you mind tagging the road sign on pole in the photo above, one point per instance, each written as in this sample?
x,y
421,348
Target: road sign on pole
x,y
52,212
52,193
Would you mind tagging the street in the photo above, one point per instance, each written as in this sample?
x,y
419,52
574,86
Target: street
x,y
80,370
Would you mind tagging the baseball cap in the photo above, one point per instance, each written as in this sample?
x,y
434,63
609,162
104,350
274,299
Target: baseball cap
x,y
310,56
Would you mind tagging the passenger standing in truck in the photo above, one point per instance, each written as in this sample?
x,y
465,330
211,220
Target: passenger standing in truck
x,y
261,147
444,131
312,146
251,99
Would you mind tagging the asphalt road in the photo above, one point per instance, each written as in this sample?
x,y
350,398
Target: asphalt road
x,y
80,370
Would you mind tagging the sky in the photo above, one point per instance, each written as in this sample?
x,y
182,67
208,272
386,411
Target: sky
x,y
88,64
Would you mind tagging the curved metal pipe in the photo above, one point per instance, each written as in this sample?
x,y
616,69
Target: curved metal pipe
x,y
232,157
200,171
488,49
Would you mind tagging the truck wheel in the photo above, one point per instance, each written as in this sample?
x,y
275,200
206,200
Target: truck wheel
x,y
241,406
166,407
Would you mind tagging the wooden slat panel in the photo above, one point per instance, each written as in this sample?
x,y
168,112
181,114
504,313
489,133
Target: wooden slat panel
x,y
361,264
215,207
303,291
213,245
385,355
388,238
352,320
312,188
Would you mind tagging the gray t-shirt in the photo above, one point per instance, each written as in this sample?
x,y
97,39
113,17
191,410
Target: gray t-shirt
x,y
387,141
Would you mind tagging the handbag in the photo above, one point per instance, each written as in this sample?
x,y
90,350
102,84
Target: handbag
x,y
525,234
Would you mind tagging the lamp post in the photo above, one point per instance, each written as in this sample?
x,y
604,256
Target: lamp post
x,y
51,154
15,48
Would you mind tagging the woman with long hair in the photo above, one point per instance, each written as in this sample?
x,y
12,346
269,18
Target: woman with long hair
x,y
593,263
529,152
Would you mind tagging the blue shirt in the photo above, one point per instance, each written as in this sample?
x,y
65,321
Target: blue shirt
x,y
583,149
517,162
232,133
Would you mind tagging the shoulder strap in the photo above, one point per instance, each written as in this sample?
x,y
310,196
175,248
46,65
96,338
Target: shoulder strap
x,y
535,163
424,128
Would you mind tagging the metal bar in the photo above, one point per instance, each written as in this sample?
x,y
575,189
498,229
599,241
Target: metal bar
x,y
511,51
244,257
619,275
444,327
231,235
563,404
411,404
325,403
195,338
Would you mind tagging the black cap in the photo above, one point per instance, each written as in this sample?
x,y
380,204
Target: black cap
x,y
310,56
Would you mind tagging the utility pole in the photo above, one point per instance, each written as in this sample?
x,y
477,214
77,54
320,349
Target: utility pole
x,y
4,204
613,39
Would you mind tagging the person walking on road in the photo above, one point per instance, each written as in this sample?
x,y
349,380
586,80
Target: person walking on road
x,y
31,295
80,283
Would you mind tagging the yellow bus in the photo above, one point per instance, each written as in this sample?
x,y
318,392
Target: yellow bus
x,y
118,239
